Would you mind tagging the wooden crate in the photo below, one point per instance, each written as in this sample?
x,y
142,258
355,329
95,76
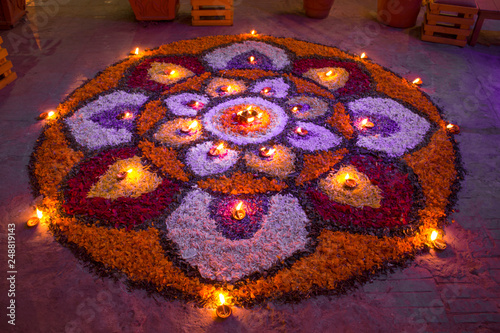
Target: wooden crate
x,y
212,12
448,24
6,74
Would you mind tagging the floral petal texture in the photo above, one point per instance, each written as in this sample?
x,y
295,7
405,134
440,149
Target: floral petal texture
x,y
203,164
412,127
91,127
317,138
180,104
282,232
221,57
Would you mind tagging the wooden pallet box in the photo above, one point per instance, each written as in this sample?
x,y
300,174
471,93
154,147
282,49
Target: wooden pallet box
x,y
212,12
447,23
6,74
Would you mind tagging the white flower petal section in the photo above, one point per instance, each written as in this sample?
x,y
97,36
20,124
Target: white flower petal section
x,y
412,126
91,134
283,231
279,89
203,165
219,58
177,104
317,138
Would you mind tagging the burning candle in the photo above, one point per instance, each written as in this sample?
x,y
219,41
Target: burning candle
x,y
266,91
417,81
301,131
349,182
223,310
363,55
124,115
36,219
239,213
190,128
437,242
122,175
217,150
46,115
453,129
365,123
267,151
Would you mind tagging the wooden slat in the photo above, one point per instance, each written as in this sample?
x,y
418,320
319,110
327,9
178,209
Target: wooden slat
x,y
433,19
196,4
446,30
436,8
1,40
443,40
211,22
3,53
5,81
198,13
5,67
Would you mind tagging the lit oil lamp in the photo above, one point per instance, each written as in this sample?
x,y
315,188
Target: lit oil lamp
x,y
36,219
136,52
195,104
47,115
365,123
266,91
417,81
438,243
239,213
123,174
170,73
349,182
223,310
124,115
267,152
363,55
190,128
253,32
226,90
301,131
296,108
453,129
251,60
330,75
217,151
247,115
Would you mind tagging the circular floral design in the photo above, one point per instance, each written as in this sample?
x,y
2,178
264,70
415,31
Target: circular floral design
x,y
259,167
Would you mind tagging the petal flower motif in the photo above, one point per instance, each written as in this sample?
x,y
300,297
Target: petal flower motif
x,y
270,56
306,107
202,164
331,77
278,88
170,133
280,164
98,124
180,104
317,138
412,127
218,121
192,226
167,73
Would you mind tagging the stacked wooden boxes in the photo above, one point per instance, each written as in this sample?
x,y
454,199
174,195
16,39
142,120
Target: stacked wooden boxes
x,y
6,75
449,21
212,12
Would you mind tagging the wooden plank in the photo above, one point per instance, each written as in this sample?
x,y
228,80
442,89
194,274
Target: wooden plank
x,y
5,81
437,8
196,4
488,5
448,19
443,40
198,13
1,40
3,53
5,67
446,30
211,22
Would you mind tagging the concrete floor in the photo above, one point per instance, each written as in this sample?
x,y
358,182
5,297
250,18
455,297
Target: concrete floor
x,y
62,43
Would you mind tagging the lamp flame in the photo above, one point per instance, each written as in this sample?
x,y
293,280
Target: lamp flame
x,y
434,235
50,114
136,51
39,213
130,170
347,176
363,55
364,122
449,126
220,147
417,81
172,72
253,32
222,299
127,115
238,206
329,73
193,125
251,59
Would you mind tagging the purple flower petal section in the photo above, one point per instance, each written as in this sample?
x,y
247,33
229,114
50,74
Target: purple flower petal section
x,y
111,118
179,104
233,229
221,58
203,165
412,127
317,138
279,88
383,125
92,125
242,61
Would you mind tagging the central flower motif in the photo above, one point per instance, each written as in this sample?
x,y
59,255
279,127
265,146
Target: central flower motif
x,y
246,120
